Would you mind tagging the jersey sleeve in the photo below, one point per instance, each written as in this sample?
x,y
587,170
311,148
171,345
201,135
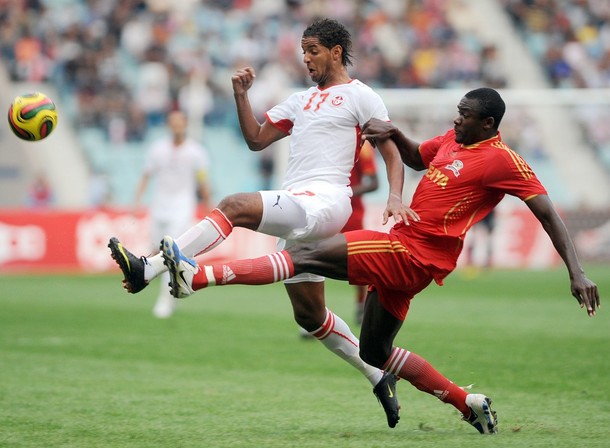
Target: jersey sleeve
x,y
511,174
370,106
429,148
282,115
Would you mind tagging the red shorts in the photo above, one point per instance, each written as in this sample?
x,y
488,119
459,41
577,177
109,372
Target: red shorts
x,y
382,261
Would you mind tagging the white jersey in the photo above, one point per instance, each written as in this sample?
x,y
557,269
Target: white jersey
x,y
325,125
174,171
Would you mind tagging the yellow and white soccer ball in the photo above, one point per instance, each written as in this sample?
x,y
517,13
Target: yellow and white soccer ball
x,y
32,116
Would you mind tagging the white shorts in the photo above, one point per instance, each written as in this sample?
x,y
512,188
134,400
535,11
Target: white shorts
x,y
309,214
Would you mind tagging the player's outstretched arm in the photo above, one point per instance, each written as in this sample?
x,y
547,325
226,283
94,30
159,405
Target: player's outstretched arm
x,y
583,289
257,136
396,178
376,130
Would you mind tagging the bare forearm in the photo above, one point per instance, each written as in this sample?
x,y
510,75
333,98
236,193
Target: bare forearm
x,y
545,212
394,168
140,189
583,289
250,127
377,131
409,150
563,244
204,194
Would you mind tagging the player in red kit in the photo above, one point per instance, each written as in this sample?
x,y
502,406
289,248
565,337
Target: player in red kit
x,y
468,171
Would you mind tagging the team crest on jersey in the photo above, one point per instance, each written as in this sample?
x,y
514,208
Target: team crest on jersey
x,y
455,167
338,100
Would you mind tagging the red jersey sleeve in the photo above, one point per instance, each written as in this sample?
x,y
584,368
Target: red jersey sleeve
x,y
429,148
511,174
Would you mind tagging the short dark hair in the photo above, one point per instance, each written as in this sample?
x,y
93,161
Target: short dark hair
x,y
330,33
490,102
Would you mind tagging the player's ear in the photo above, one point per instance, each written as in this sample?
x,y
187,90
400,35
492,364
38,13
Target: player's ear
x,y
489,122
337,53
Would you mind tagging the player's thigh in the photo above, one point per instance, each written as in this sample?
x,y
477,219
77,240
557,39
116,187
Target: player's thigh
x,y
304,216
327,257
282,214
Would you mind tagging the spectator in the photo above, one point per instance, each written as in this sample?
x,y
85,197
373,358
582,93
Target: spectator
x,y
41,193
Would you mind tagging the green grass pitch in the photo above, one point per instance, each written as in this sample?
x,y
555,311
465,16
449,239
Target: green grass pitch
x,y
84,364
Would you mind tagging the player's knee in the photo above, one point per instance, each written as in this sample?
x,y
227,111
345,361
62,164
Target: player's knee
x,y
230,205
373,354
308,316
306,320
242,209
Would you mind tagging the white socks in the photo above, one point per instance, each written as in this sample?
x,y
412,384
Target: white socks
x,y
336,336
205,235
202,237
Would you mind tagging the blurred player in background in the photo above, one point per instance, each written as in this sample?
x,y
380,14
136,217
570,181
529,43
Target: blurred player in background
x,y
478,249
178,167
314,202
41,193
363,179
468,172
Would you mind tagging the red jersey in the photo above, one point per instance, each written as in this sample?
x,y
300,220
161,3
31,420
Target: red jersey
x,y
461,186
364,166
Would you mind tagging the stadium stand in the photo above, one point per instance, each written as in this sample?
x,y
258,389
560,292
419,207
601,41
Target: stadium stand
x,y
118,66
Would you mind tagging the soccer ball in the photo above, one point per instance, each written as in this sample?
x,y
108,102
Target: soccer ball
x,y
32,116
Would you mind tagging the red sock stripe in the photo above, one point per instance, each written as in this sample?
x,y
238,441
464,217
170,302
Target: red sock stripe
x,y
282,266
327,326
220,222
396,361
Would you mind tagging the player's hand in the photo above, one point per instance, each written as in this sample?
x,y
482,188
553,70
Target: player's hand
x,y
376,129
586,293
399,211
242,80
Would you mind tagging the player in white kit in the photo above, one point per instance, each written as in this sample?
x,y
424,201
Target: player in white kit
x,y
314,202
178,165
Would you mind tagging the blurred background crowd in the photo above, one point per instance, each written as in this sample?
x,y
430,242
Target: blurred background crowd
x,y
127,62
120,65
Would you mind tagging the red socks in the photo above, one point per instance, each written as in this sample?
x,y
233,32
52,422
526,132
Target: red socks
x,y
422,375
257,271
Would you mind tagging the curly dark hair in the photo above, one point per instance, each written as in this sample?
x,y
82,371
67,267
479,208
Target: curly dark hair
x,y
330,33
490,102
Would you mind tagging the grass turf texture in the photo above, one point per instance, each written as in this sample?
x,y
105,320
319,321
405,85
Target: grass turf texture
x,y
82,363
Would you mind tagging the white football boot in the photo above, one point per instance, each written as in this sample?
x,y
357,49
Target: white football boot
x,y
482,417
181,268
